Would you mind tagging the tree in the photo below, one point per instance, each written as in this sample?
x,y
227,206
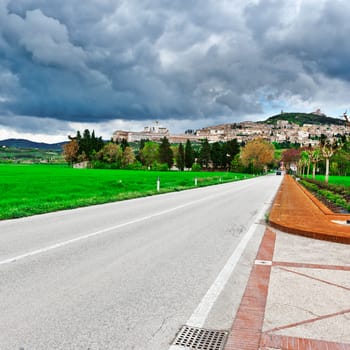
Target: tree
x,y
340,164
165,153
204,154
124,144
236,165
82,157
180,157
88,144
78,137
290,157
128,156
149,153
111,153
231,149
304,162
70,151
138,152
216,154
96,143
257,154
189,158
143,142
328,148
85,144
315,157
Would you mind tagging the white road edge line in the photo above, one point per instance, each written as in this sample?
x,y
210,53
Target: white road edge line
x,y
97,233
200,314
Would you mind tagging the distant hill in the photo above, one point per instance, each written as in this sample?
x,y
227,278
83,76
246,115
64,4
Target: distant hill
x,y
26,144
304,118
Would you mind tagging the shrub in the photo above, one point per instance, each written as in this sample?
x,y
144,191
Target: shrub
x,y
343,190
196,167
97,164
333,193
160,166
135,166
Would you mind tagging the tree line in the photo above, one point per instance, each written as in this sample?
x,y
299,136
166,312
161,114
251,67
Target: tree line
x,y
254,157
329,157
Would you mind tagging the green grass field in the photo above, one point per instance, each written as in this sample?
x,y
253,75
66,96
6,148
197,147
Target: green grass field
x,y
338,191
15,155
34,189
335,180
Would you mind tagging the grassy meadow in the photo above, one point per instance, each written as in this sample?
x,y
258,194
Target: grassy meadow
x,y
13,155
34,189
335,180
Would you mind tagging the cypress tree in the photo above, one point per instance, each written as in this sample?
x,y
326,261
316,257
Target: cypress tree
x,y
215,154
124,144
180,158
142,143
189,157
232,149
204,155
165,152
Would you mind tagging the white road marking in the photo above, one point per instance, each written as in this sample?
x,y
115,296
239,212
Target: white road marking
x,y
93,234
201,313
100,232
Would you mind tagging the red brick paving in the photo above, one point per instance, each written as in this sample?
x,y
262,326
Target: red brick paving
x,y
296,211
246,330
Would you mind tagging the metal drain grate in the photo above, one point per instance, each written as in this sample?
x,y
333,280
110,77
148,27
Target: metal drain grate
x,y
201,339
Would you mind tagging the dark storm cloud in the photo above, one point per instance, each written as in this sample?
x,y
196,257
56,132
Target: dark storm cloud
x,y
162,59
312,36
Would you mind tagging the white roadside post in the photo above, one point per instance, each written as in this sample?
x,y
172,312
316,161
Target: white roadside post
x,y
158,184
195,181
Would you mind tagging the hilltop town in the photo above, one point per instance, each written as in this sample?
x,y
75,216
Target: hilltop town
x,y
273,130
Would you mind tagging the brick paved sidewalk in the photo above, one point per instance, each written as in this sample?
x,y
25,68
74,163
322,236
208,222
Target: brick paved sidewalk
x,y
298,293
297,297
296,211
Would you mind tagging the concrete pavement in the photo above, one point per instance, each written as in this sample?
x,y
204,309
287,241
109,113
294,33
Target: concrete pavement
x,y
298,293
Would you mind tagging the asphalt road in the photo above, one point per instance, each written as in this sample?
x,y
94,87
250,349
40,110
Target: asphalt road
x,y
127,275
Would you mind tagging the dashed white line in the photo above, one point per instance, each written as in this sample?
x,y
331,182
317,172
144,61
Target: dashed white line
x,y
93,234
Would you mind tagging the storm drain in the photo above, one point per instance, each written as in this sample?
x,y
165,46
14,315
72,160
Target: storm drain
x,y
201,339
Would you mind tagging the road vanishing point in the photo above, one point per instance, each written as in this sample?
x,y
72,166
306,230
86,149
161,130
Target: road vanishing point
x,y
130,274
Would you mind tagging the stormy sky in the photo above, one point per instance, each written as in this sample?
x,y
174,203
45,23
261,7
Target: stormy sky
x,y
67,65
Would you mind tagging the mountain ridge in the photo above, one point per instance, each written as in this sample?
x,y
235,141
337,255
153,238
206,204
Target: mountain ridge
x,y
23,143
304,118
